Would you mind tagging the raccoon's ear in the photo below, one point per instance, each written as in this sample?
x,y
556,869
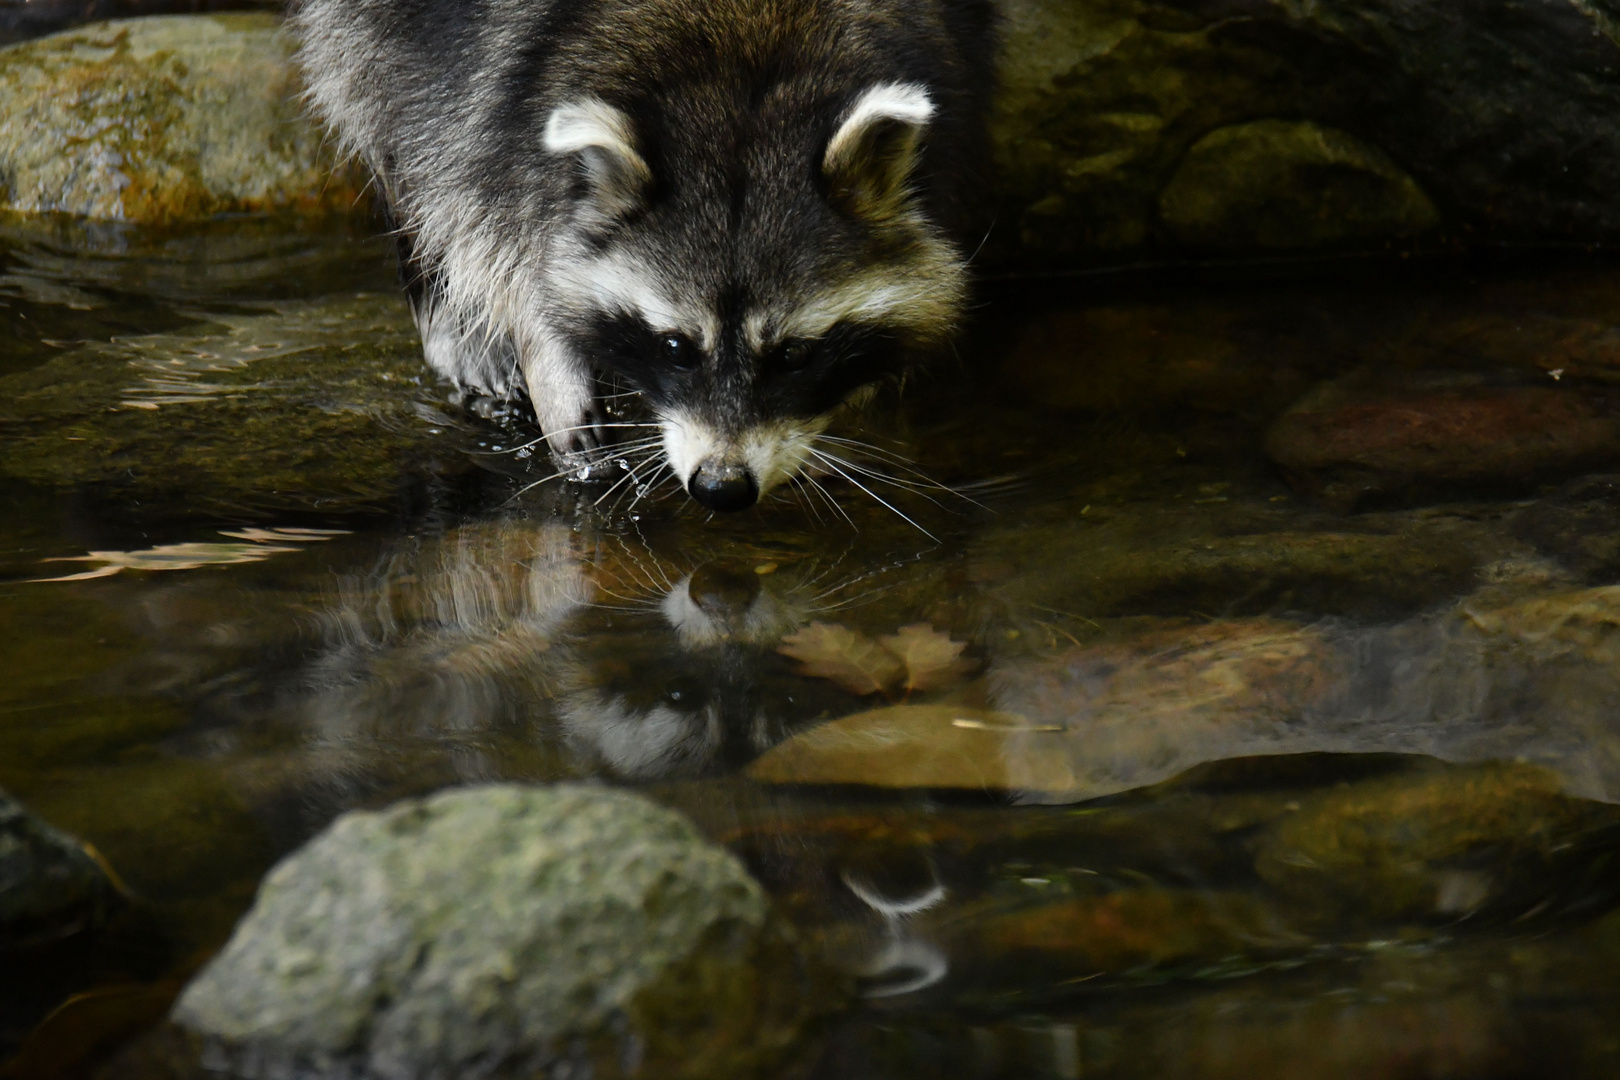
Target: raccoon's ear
x,y
605,142
871,155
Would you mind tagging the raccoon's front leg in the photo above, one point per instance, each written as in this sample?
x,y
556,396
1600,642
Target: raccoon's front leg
x,y
562,392
465,351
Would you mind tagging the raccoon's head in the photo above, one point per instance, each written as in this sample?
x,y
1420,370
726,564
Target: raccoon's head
x,y
751,262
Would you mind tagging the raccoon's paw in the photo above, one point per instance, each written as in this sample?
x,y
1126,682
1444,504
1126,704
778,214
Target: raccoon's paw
x,y
576,439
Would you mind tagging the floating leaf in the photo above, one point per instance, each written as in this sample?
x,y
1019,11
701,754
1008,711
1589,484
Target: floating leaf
x,y
847,657
931,658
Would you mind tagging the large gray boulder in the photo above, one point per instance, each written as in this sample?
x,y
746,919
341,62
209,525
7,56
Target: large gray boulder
x,y
506,930
50,884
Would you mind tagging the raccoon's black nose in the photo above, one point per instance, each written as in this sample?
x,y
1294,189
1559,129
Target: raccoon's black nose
x,y
724,487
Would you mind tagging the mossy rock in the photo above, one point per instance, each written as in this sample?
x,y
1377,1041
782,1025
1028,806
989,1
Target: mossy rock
x,y
509,931
1290,185
1109,111
163,119
315,406
1444,844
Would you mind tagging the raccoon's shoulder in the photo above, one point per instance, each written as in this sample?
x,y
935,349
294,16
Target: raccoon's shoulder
x,y
377,69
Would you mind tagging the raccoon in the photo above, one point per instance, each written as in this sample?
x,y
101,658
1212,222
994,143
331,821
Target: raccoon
x,y
750,212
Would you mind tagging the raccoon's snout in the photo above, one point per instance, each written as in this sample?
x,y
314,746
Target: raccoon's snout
x,y
724,487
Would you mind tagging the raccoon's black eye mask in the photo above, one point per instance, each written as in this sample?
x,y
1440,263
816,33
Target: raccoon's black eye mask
x,y
801,377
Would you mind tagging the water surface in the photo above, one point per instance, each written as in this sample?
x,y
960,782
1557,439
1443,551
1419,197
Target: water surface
x,y
1053,714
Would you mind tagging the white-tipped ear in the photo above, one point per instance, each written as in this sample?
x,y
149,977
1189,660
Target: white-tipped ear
x,y
871,155
603,138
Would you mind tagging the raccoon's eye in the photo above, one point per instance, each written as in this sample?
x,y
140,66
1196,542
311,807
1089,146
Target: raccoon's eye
x,y
678,351
795,355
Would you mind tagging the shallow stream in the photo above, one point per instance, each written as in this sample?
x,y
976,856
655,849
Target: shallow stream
x,y
1100,708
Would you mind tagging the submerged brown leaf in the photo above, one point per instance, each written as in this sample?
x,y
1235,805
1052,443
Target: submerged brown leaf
x,y
931,658
917,657
847,657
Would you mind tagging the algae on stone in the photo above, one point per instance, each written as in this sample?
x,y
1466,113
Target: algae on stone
x,y
308,405
531,929
162,119
1443,845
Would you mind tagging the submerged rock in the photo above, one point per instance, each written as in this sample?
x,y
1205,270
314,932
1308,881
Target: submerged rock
x,y
1446,845
1092,721
50,885
1129,931
1430,434
549,931
307,405
162,119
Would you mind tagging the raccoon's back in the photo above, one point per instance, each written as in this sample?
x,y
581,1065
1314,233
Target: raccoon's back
x,y
457,92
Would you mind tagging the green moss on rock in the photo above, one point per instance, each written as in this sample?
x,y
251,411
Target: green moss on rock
x,y
1290,185
511,930
308,405
1441,845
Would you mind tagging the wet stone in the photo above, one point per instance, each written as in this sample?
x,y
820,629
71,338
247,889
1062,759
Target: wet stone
x,y
557,931
1370,439
317,405
50,884
162,119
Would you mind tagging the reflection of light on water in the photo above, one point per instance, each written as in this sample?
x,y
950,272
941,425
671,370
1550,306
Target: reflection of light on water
x,y
260,545
175,369
905,963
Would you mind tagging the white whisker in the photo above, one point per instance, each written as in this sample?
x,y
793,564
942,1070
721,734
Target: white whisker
x,y
891,507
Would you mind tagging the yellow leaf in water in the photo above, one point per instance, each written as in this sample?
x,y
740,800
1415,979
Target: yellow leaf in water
x,y
931,658
847,657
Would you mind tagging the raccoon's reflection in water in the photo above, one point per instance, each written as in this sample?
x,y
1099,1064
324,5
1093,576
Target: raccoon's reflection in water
x,y
501,639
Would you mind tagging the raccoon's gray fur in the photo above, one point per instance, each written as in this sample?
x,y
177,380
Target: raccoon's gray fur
x,y
744,209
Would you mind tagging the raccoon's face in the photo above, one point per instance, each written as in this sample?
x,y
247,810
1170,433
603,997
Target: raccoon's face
x,y
751,270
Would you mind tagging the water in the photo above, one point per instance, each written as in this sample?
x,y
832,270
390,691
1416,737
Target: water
x,y
1121,757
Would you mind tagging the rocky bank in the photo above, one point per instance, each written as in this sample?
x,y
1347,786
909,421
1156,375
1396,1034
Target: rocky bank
x,y
1123,129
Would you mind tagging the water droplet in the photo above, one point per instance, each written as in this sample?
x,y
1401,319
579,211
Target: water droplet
x,y
525,452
